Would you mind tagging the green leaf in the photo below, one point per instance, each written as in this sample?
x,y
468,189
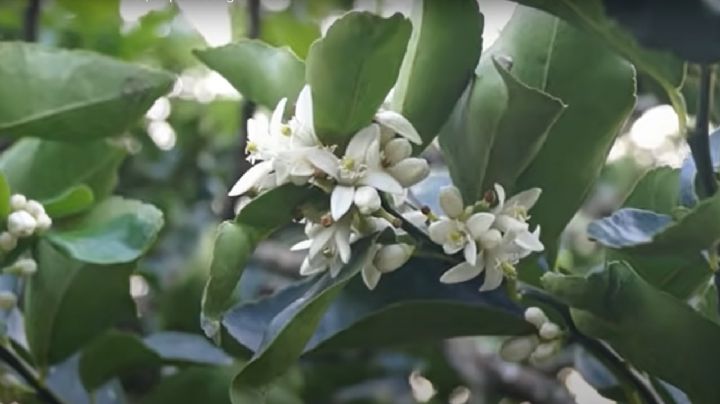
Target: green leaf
x,y
352,69
115,231
4,196
260,72
287,29
68,303
545,52
72,95
649,328
435,52
496,130
193,385
664,68
115,353
76,199
658,191
43,170
409,304
235,242
291,329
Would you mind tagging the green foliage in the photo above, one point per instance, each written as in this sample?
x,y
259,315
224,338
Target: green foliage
x,y
657,190
76,199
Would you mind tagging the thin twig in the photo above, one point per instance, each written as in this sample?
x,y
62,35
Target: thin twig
x,y
700,141
30,23
17,364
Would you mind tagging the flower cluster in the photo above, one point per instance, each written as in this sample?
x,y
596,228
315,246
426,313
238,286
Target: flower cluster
x,y
492,238
375,160
27,217
538,347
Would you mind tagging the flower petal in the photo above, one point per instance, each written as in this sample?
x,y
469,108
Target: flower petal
x,y
320,241
399,124
493,279
276,119
381,181
361,141
410,171
304,109
372,155
500,191
451,201
342,243
335,267
341,200
462,272
529,241
526,199
324,160
301,245
311,267
371,276
251,178
470,252
440,230
479,223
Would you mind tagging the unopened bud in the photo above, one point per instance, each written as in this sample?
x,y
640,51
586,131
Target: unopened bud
x,y
34,208
535,316
422,388
367,200
44,222
397,150
410,171
391,257
518,349
451,201
459,395
21,224
8,300
550,331
26,266
8,242
544,352
17,202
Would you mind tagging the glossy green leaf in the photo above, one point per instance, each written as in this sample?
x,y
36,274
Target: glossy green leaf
x,y
68,303
435,52
286,28
76,199
72,95
407,305
115,231
193,385
658,191
291,329
649,328
590,16
352,69
5,193
260,72
235,242
43,170
545,51
115,353
496,130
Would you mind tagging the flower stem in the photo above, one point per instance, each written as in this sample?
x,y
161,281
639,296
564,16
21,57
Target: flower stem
x,y
699,141
17,364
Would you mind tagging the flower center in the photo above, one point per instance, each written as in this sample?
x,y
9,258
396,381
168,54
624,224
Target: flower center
x,y
251,148
285,130
350,170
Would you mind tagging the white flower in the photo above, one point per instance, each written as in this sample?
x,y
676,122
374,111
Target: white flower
x,y
422,389
396,150
360,166
34,208
461,228
367,200
410,171
535,316
544,351
512,216
328,247
22,267
252,178
266,139
8,300
386,259
550,331
44,222
21,224
8,241
392,122
17,202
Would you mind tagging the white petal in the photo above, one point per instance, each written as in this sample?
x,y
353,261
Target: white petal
x,y
399,124
493,279
451,201
361,141
367,200
500,191
417,218
335,267
381,181
452,248
304,109
479,223
342,243
391,257
371,276
310,267
470,252
397,150
341,200
461,272
372,155
320,241
301,245
410,171
276,119
440,230
526,199
529,241
509,224
251,178
324,160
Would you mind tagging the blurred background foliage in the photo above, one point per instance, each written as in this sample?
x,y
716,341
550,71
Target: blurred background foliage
x,y
188,151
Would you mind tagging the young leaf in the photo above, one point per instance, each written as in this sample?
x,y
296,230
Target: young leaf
x,y
235,242
649,328
115,353
352,69
446,42
76,199
4,196
291,329
658,191
72,95
590,16
544,52
410,301
260,72
42,170
116,231
68,303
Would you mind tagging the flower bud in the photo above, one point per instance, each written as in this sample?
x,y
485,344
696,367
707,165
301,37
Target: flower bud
x,y
397,150
518,349
8,242
550,331
422,388
17,202
21,224
410,171
34,208
8,300
451,201
44,222
544,351
459,395
26,266
367,200
535,316
391,257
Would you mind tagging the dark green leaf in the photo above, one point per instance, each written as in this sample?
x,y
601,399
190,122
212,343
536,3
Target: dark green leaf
x,y
260,72
42,170
76,199
658,191
285,28
235,242
115,231
352,69
647,327
435,52
68,303
193,385
72,95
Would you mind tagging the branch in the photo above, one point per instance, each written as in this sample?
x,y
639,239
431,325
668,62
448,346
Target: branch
x,y
30,23
700,141
43,393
